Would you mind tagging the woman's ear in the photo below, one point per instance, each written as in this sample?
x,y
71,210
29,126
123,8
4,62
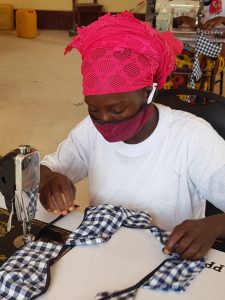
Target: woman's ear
x,y
147,91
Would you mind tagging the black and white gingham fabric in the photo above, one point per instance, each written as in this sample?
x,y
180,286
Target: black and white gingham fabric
x,y
113,296
101,222
25,274
173,274
33,197
203,47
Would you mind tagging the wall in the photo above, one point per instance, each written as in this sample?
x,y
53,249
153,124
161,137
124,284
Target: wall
x,y
66,5
57,14
120,5
41,4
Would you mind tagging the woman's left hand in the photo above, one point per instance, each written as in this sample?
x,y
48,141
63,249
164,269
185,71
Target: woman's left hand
x,y
192,239
213,22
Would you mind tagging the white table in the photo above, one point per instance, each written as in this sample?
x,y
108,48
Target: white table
x,y
120,263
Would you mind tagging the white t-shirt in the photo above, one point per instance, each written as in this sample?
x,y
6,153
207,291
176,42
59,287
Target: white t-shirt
x,y
170,174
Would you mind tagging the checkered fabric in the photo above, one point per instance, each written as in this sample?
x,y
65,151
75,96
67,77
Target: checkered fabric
x,y
113,296
173,274
25,274
160,234
203,47
33,196
101,222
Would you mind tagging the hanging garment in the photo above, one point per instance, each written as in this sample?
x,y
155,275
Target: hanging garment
x,y
203,47
25,275
215,7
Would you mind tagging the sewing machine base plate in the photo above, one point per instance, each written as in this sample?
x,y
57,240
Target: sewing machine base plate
x,y
11,241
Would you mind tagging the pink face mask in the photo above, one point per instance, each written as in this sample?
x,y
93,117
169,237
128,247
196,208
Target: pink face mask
x,y
116,131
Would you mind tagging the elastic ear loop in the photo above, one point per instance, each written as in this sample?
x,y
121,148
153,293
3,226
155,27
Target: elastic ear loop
x,y
150,97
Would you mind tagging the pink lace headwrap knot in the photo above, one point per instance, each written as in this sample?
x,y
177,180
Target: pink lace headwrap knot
x,y
122,54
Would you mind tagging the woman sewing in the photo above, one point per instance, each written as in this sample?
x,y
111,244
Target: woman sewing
x,y
213,16
134,153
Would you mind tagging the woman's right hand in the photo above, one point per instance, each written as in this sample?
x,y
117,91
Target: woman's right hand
x,y
57,192
188,21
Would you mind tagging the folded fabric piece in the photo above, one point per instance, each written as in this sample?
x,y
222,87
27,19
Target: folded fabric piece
x,y
101,222
25,275
173,274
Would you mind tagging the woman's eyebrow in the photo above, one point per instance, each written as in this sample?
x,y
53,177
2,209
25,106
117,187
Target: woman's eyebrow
x,y
111,104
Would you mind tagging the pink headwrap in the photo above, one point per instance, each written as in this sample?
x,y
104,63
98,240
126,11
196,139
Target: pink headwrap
x,y
122,54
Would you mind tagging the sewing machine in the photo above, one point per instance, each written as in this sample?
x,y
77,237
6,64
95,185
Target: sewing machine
x,y
167,10
19,184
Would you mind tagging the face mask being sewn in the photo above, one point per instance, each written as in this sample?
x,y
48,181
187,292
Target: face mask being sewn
x,y
124,130
26,275
173,274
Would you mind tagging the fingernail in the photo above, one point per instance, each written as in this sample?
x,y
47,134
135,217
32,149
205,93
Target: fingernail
x,y
71,208
64,212
166,251
56,212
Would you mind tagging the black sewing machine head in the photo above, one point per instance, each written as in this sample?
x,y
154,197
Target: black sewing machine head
x,y
19,184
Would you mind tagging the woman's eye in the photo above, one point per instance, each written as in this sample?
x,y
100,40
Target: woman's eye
x,y
118,111
92,110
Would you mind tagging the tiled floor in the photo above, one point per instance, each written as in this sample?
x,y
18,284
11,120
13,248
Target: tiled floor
x,y
40,93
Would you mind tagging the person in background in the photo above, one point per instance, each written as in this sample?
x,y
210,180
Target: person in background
x,y
137,154
213,17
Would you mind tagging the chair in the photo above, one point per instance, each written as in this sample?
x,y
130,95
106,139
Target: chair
x,y
213,112
211,77
220,81
84,14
